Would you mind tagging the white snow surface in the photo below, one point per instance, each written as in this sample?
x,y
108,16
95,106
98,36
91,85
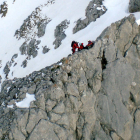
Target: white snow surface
x,y
71,10
10,106
25,103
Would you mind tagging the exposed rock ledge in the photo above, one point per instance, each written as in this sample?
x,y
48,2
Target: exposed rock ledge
x,y
93,95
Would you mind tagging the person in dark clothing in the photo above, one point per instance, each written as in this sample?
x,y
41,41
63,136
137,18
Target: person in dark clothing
x,y
74,45
89,45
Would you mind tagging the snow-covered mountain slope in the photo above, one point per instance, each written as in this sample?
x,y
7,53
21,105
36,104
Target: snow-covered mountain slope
x,y
35,34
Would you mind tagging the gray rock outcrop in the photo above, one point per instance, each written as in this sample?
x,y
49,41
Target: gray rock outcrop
x,y
45,49
24,63
30,49
94,94
94,10
6,69
28,28
60,33
134,6
3,9
41,28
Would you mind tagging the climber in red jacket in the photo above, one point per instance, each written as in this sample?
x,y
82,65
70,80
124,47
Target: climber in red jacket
x,y
74,45
81,47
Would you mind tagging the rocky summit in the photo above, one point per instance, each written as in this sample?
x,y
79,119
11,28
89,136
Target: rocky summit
x,y
91,95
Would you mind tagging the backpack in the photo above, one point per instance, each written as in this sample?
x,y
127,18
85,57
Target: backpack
x,y
92,44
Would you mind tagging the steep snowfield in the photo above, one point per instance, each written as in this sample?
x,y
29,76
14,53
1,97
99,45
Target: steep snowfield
x,y
58,11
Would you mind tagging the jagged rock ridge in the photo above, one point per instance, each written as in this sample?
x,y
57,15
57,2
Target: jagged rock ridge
x,y
94,94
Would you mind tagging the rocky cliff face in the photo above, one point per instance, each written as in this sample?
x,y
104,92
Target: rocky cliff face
x,y
93,94
134,6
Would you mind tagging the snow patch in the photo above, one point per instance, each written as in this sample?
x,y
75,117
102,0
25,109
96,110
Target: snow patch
x,y
43,74
25,103
10,106
100,8
3,104
8,89
138,21
60,63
